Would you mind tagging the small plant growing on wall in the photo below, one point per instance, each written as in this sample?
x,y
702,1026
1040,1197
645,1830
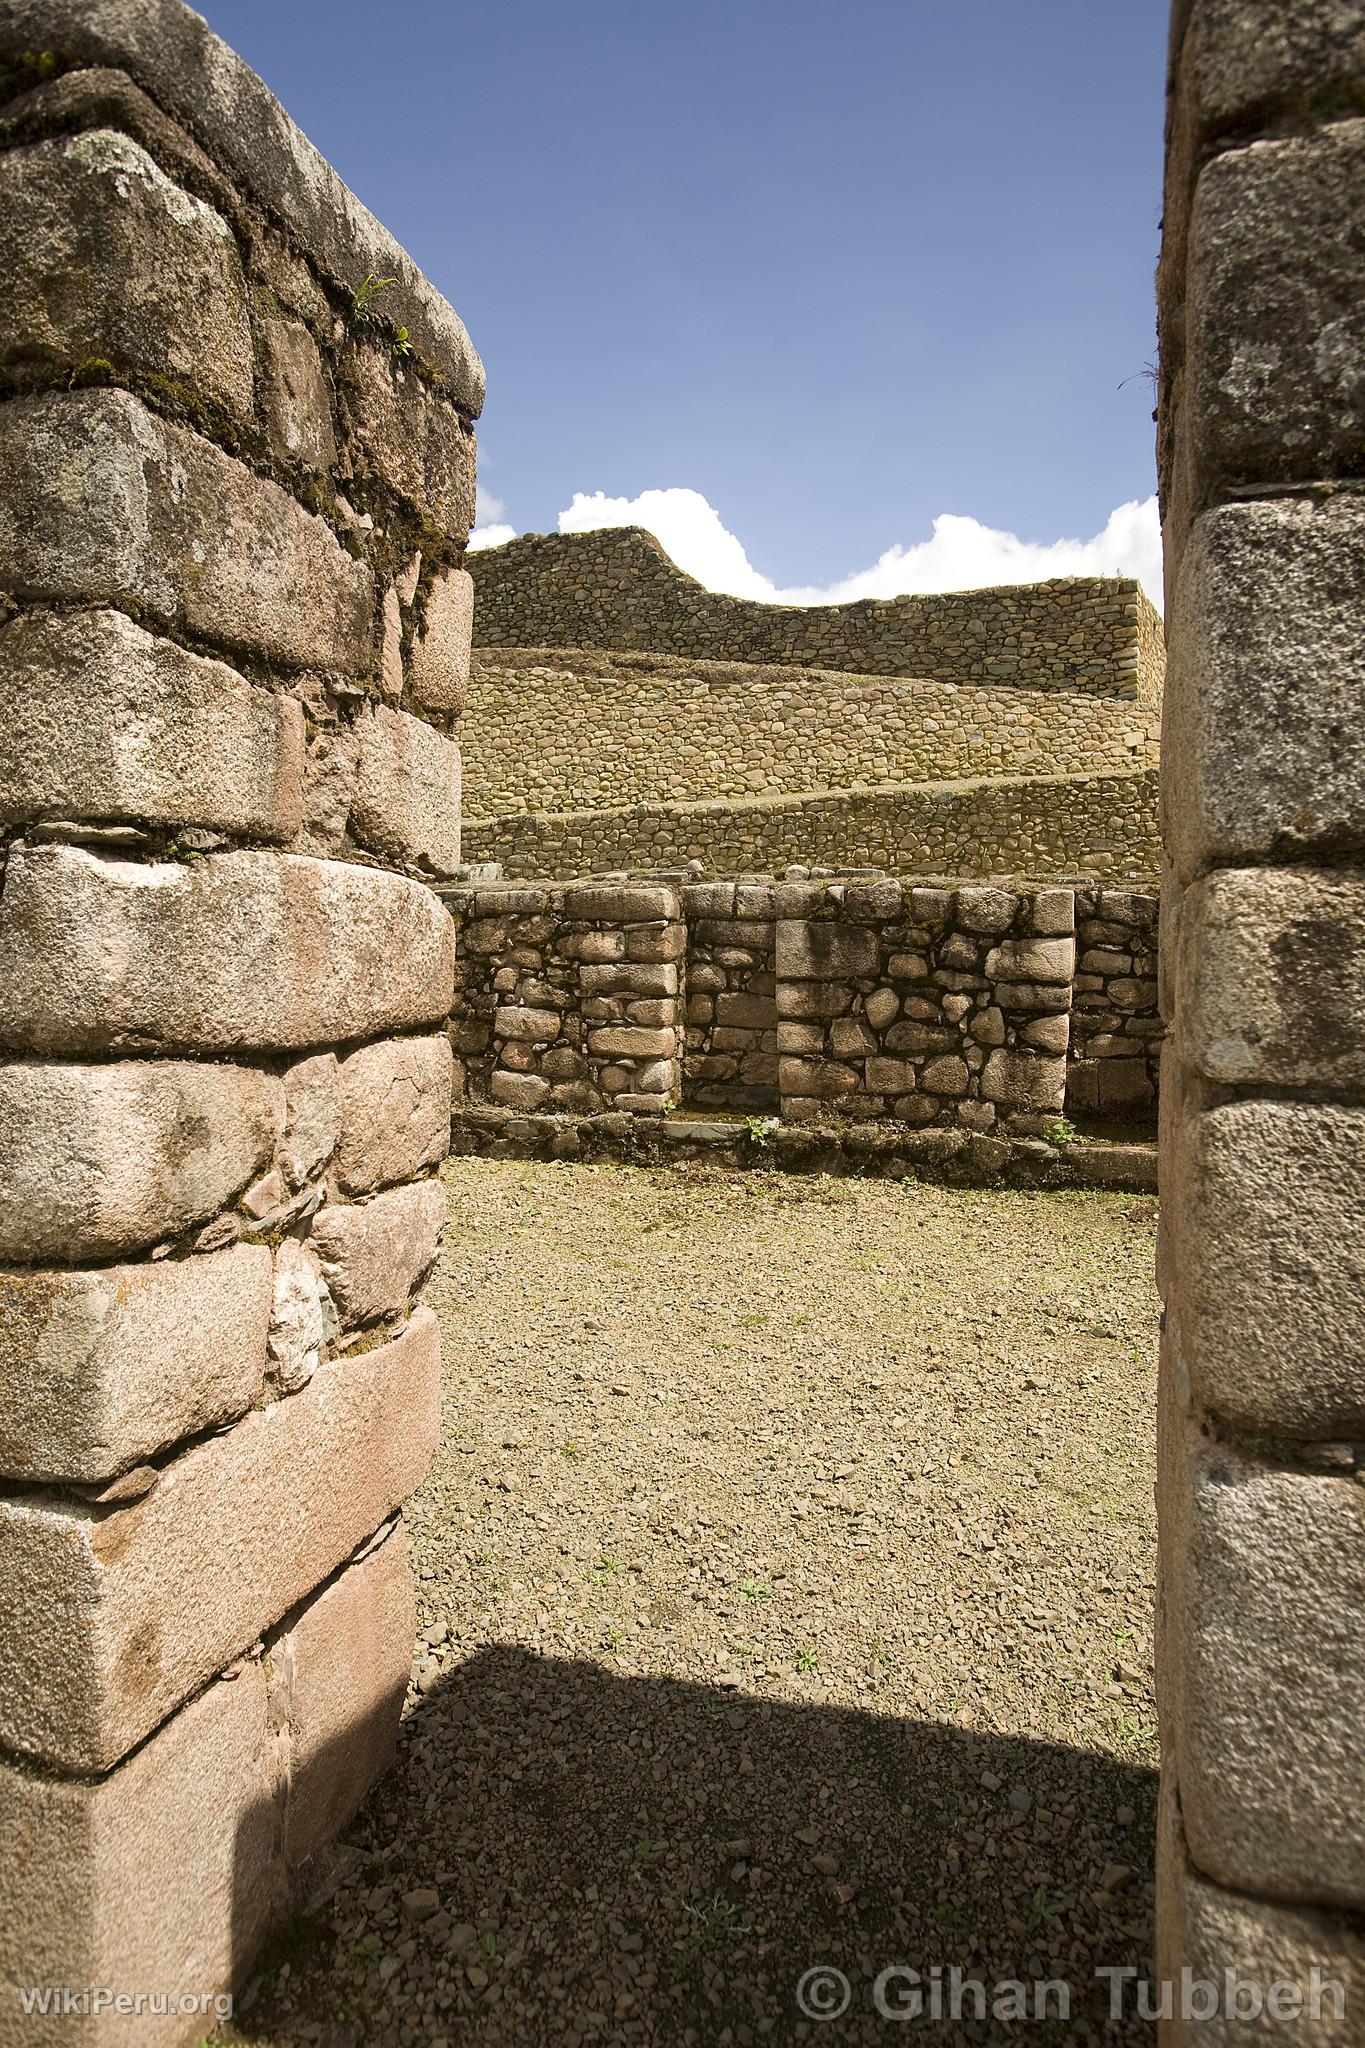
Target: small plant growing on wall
x,y
760,1128
1061,1131
365,310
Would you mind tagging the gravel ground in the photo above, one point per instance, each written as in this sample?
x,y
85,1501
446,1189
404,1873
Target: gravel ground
x,y
786,1587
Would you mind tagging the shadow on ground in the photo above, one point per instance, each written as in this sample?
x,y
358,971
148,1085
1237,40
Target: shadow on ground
x,y
563,1856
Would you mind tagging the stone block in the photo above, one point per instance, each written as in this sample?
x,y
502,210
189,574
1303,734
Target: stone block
x,y
253,951
638,978
100,1161
102,1369
338,1676
1288,1953
746,1012
1263,1663
1050,913
1270,978
990,911
106,722
1024,1080
851,1039
519,1091
375,1254
395,1111
632,1042
1266,1201
105,259
406,805
438,661
621,902
889,1077
1038,960
882,1007
1046,1034
302,1316
312,1117
408,438
796,1037
105,1883
110,1617
1273,389
813,999
667,942
101,499
525,1025
816,1079
1301,49
946,1076
811,951
297,395
1264,751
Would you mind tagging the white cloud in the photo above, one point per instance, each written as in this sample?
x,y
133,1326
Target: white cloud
x,y
487,508
961,553
490,537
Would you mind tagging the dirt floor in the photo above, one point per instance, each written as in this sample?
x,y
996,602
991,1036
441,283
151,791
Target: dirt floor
x,y
786,1587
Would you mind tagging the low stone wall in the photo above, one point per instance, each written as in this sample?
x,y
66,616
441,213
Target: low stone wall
x,y
561,730
1042,826
731,994
618,589
872,998
570,997
878,1151
236,638
932,1006
1116,1027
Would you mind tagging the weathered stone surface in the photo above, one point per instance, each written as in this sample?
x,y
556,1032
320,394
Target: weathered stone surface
x,y
298,1319
105,1884
104,721
438,665
1274,385
811,951
621,902
100,1161
525,1025
100,1370
409,438
105,258
374,1253
1305,1953
632,1042
1265,750
1024,1080
1273,1336
518,1091
1045,960
312,1116
341,1672
297,395
109,1618
1300,49
101,499
208,88
407,794
1263,1664
395,1111
1270,978
238,950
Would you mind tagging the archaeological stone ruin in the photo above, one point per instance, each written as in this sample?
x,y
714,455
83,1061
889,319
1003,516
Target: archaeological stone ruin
x,y
875,888
234,494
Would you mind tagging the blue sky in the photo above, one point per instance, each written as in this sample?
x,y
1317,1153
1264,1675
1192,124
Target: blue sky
x,y
837,271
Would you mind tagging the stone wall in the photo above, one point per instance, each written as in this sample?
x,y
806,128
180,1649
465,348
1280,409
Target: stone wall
x,y
235,639
569,998
570,731
946,1005
731,1058
618,589
1261,1655
1043,826
1116,1028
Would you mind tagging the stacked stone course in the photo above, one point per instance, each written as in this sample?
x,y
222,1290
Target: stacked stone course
x,y
569,998
235,639
618,589
948,1005
1103,826
731,1059
575,731
1261,1656
1116,1030
932,1006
